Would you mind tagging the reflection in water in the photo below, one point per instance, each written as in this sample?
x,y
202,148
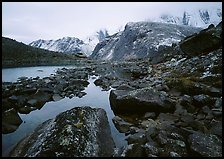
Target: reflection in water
x,y
94,98
12,74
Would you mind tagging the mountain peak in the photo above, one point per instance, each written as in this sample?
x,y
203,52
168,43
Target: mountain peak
x,y
201,17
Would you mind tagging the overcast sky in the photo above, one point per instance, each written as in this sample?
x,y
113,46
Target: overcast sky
x,y
29,21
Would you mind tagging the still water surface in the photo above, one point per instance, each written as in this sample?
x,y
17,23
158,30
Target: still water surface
x,y
95,98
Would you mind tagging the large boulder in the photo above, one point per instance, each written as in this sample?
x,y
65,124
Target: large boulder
x,y
79,132
205,145
10,121
140,101
206,41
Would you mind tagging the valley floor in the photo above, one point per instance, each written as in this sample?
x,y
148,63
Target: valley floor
x,y
173,108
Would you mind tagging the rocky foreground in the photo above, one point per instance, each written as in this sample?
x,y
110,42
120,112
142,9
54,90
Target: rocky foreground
x,y
172,107
79,132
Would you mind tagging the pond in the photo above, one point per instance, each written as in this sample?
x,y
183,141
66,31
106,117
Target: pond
x,y
95,98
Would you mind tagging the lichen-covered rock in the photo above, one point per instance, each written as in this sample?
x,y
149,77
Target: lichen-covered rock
x,y
79,132
205,145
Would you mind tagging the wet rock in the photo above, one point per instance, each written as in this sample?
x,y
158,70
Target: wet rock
x,y
10,121
56,97
26,109
140,100
205,145
81,94
102,82
39,98
79,132
121,125
79,82
23,78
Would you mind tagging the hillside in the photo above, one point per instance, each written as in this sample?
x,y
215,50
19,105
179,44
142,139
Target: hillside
x,y
16,54
141,39
72,45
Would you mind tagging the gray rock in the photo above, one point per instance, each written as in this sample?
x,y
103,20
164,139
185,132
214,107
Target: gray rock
x,y
10,121
170,144
138,137
205,145
216,128
151,149
56,97
151,115
168,118
148,123
13,99
40,98
81,94
202,43
79,132
133,150
174,154
202,100
121,125
218,103
140,100
26,109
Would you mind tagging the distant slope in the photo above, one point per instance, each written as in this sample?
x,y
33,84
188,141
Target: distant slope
x,y
141,39
68,45
72,45
193,17
16,54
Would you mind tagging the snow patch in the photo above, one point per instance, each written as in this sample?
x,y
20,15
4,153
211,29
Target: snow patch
x,y
166,42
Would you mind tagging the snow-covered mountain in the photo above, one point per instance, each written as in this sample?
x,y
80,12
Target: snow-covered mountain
x,y
70,45
141,39
192,17
66,45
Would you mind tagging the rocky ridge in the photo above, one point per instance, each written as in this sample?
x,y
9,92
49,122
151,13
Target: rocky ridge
x,y
141,40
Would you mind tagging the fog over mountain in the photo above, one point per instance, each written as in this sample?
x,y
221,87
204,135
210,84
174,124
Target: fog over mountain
x,y
202,17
